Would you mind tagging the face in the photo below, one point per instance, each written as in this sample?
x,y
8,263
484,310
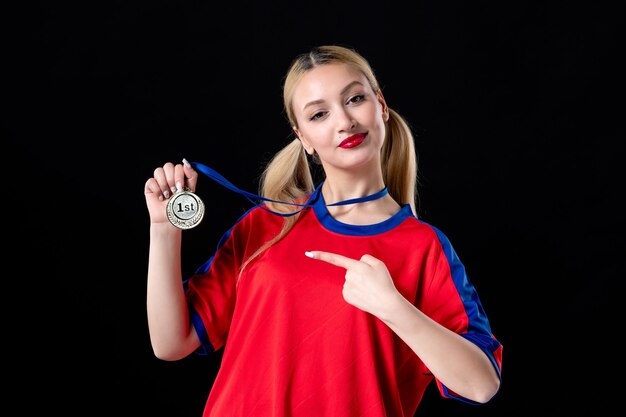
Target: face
x,y
339,116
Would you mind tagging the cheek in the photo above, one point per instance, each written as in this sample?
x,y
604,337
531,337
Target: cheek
x,y
377,123
318,135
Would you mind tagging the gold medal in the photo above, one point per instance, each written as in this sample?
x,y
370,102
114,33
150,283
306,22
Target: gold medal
x,y
185,209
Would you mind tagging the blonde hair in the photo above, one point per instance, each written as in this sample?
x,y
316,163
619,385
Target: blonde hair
x,y
288,175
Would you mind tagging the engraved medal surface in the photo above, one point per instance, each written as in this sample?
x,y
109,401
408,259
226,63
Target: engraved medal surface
x,y
185,209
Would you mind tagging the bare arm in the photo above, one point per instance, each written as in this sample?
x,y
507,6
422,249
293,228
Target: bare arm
x,y
171,332
456,362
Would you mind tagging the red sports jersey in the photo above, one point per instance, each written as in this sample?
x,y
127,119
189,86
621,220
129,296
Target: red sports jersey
x,y
293,347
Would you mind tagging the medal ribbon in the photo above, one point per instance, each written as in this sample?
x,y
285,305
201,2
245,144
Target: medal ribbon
x,y
254,198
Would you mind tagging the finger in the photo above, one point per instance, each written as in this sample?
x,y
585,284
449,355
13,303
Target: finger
x,y
370,260
179,177
170,173
191,175
152,188
161,179
333,258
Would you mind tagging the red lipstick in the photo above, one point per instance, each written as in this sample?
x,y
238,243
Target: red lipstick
x,y
352,141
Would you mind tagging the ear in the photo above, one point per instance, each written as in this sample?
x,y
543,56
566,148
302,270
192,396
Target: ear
x,y
383,103
305,143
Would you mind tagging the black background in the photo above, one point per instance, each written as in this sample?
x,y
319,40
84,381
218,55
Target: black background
x,y
517,109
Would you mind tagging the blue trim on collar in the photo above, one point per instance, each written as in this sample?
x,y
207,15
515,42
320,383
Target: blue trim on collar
x,y
329,222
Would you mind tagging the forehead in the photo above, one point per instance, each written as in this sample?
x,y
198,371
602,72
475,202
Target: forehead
x,y
324,82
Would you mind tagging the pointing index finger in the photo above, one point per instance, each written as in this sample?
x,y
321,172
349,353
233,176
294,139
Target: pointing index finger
x,y
333,258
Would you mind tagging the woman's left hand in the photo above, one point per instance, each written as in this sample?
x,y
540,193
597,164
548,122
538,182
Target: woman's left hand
x,y
368,285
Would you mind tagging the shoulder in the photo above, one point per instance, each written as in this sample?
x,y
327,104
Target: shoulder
x,y
258,215
429,232
435,231
424,228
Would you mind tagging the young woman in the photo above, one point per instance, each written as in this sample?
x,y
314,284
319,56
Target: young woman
x,y
322,309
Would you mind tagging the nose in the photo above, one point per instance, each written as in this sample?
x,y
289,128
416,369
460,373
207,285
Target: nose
x,y
345,120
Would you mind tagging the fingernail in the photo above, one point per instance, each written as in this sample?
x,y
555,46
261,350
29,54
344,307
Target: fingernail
x,y
309,254
166,194
173,189
179,186
161,198
186,163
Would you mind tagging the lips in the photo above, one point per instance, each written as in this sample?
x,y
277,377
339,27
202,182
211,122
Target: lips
x,y
352,141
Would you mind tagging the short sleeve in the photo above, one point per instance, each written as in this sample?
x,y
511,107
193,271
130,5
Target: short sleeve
x,y
211,290
452,300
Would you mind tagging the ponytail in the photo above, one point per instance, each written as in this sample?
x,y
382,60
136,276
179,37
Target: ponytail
x,y
287,177
399,161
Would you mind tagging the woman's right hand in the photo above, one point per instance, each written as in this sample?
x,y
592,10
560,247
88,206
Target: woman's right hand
x,y
165,181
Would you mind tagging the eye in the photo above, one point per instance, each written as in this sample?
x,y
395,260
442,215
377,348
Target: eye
x,y
356,99
317,116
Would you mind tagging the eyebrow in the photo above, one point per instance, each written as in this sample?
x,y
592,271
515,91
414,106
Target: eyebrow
x,y
346,88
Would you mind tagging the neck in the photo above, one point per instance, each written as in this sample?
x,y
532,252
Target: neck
x,y
335,191
377,205
341,185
